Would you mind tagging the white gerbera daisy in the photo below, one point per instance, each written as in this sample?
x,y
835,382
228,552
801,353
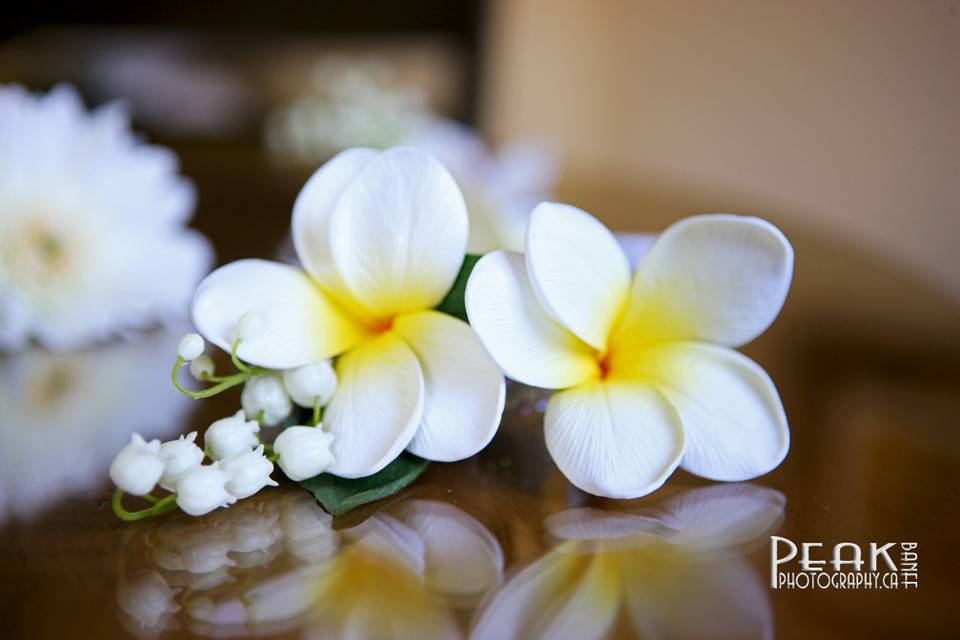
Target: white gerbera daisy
x,y
93,239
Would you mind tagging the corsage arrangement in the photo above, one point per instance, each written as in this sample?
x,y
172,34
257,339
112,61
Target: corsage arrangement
x,y
387,348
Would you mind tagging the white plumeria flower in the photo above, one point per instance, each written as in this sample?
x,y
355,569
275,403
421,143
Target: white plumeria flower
x,y
304,452
138,467
678,572
649,376
381,237
203,489
201,366
190,347
265,393
500,186
249,472
179,456
89,214
311,382
231,435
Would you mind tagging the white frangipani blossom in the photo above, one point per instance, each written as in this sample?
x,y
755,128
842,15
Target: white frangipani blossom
x,y
93,239
316,381
384,236
231,435
648,372
264,398
138,467
676,572
203,489
500,186
179,456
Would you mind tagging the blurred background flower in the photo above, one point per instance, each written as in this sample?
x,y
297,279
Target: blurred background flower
x,y
93,240
64,416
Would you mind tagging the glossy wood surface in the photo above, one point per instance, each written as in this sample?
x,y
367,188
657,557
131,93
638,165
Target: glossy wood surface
x,y
867,360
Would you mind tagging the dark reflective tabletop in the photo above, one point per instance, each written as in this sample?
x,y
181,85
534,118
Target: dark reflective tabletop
x,y
867,361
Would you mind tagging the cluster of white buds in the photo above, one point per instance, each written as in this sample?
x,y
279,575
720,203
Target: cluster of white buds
x,y
240,466
269,397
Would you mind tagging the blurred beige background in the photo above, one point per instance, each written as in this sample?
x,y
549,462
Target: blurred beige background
x,y
838,118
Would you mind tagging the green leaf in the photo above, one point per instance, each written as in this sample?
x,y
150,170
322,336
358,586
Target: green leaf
x,y
453,302
340,495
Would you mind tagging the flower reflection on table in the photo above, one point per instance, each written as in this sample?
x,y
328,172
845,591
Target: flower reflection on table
x,y
64,416
674,572
423,569
276,563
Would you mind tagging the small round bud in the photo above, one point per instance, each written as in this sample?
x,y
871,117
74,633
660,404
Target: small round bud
x,y
179,456
138,467
203,489
249,326
304,452
230,436
265,392
191,346
311,381
201,365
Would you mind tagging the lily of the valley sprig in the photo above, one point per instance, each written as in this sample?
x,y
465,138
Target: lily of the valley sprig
x,y
647,370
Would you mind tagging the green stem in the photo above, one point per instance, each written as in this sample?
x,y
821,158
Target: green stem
x,y
226,382
163,505
273,457
236,360
316,411
209,378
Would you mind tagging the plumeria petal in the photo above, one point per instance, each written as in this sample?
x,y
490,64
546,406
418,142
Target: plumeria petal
x,y
577,269
463,559
564,594
717,278
310,226
398,233
529,345
300,323
724,516
464,387
590,607
377,407
614,439
731,412
588,524
688,596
